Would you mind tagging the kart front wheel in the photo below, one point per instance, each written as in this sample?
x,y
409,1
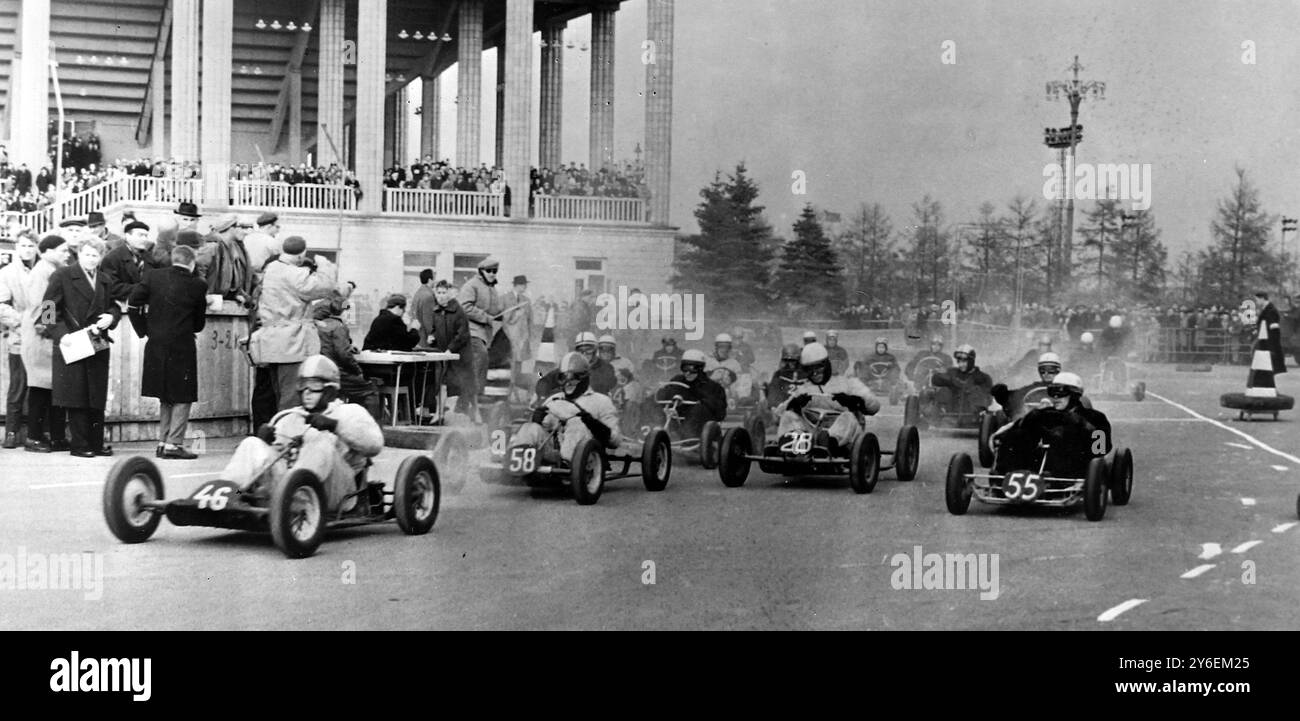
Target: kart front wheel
x,y
417,494
656,461
452,456
912,411
1094,490
297,514
957,489
733,466
131,482
1121,477
907,453
587,473
709,437
864,464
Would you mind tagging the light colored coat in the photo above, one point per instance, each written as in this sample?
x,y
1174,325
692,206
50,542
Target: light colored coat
x,y
38,352
480,302
519,325
13,301
288,332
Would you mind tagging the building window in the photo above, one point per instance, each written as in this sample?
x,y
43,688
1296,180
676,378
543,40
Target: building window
x,y
466,267
412,263
589,275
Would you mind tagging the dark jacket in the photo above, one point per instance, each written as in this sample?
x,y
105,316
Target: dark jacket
x,y
910,370
78,305
124,269
388,332
447,324
177,310
336,343
711,395
602,380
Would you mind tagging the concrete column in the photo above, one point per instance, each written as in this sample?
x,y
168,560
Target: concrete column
x,y
329,84
469,63
517,152
552,98
218,36
295,115
372,25
501,102
158,123
31,103
659,108
430,115
390,129
185,79
601,137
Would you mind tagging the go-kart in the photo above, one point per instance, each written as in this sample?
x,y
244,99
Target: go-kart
x,y
969,407
925,368
1112,382
290,507
1045,486
704,446
876,376
585,472
660,370
804,453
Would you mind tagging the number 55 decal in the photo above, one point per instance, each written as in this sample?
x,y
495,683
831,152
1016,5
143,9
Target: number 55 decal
x,y
1022,486
523,460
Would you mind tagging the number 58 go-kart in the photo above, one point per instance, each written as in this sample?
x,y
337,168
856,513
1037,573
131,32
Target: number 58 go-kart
x,y
291,507
804,453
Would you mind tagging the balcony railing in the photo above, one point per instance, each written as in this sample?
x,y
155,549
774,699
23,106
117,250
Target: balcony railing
x,y
581,207
148,189
445,203
308,196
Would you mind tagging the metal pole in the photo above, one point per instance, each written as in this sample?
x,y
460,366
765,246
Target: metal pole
x,y
338,241
58,156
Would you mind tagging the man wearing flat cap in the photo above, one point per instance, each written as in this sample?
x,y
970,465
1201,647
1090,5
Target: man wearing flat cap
x,y
482,303
223,262
261,244
125,266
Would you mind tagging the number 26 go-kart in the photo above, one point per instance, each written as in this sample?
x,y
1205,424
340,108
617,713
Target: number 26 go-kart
x,y
585,472
291,505
1043,484
804,453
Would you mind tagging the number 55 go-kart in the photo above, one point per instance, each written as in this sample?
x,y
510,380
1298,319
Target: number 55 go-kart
x,y
289,502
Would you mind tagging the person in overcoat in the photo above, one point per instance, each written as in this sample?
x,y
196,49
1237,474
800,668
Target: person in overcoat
x,y
80,298
176,301
46,422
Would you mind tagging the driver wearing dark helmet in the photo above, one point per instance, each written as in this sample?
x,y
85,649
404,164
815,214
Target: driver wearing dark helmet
x,y
786,377
963,380
710,397
943,360
1076,433
575,409
884,361
848,395
338,438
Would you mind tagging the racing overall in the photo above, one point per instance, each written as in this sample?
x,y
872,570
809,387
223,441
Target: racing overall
x,y
573,430
845,429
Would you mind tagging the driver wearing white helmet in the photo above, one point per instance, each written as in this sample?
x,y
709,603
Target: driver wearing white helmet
x,y
607,352
1075,432
964,386
839,354
711,398
1049,367
580,413
721,367
601,374
849,395
338,438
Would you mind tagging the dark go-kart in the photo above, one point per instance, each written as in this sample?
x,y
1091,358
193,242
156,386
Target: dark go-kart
x,y
291,508
877,377
1040,485
586,472
1113,383
703,446
803,453
967,413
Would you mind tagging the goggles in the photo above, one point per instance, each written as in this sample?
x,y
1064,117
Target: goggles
x,y
572,377
1060,391
311,384
490,270
692,368
961,356
1049,368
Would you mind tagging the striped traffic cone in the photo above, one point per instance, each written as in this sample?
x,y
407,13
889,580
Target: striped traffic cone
x,y
546,351
1260,382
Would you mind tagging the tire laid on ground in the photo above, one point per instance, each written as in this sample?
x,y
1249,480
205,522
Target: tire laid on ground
x,y
864,464
656,461
297,513
417,495
452,458
911,410
709,437
1095,485
988,424
907,453
1121,477
733,467
957,490
1255,404
1139,390
587,473
130,481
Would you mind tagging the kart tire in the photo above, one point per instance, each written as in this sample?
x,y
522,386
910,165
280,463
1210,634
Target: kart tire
x,y
733,467
1139,390
709,437
1256,404
130,481
1121,477
988,425
1094,490
656,461
864,464
912,411
957,489
298,532
907,453
587,473
452,458
417,495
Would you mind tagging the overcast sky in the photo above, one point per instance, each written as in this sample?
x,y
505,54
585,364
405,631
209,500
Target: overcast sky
x,y
854,94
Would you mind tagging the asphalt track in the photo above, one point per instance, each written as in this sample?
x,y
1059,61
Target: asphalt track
x,y
1209,541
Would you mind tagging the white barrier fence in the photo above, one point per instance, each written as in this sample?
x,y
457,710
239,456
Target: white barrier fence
x,y
581,207
454,203
311,196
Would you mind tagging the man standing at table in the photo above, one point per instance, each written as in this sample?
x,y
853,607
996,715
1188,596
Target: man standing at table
x,y
481,301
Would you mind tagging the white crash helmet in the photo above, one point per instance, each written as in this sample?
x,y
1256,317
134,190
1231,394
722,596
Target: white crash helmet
x,y
1116,321
812,354
606,340
693,357
320,368
1071,381
1049,358
1086,337
584,339
722,338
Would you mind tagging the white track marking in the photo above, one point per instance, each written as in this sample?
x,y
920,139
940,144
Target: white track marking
x,y
1197,571
195,475
73,484
1246,546
1247,501
1228,428
1209,550
1114,613
1155,420
1281,468
1284,527
1234,444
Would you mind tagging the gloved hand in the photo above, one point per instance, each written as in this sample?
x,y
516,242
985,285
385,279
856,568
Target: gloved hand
x,y
797,403
1001,394
322,422
266,433
851,402
539,414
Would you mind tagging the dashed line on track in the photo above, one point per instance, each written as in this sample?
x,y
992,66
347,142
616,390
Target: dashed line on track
x,y
1209,550
72,484
1247,501
1284,527
1230,429
1198,570
1281,468
1246,546
1113,613
1234,444
195,475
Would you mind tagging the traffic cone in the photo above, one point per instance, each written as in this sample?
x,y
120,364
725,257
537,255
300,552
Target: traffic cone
x,y
546,351
1260,382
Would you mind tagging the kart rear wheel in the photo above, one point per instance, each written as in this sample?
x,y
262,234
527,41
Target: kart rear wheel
x,y
907,453
297,514
1094,490
864,464
709,437
733,467
130,482
1121,477
587,473
452,458
988,425
656,461
911,411
957,489
417,495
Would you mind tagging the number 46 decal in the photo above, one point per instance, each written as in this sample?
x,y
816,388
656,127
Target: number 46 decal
x,y
213,497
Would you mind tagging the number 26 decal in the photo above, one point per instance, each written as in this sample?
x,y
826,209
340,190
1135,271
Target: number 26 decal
x,y
798,444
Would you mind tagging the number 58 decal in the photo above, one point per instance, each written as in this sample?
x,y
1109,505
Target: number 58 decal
x,y
523,460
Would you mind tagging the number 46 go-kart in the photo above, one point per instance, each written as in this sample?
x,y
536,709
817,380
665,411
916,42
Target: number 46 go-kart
x,y
585,472
292,506
801,453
